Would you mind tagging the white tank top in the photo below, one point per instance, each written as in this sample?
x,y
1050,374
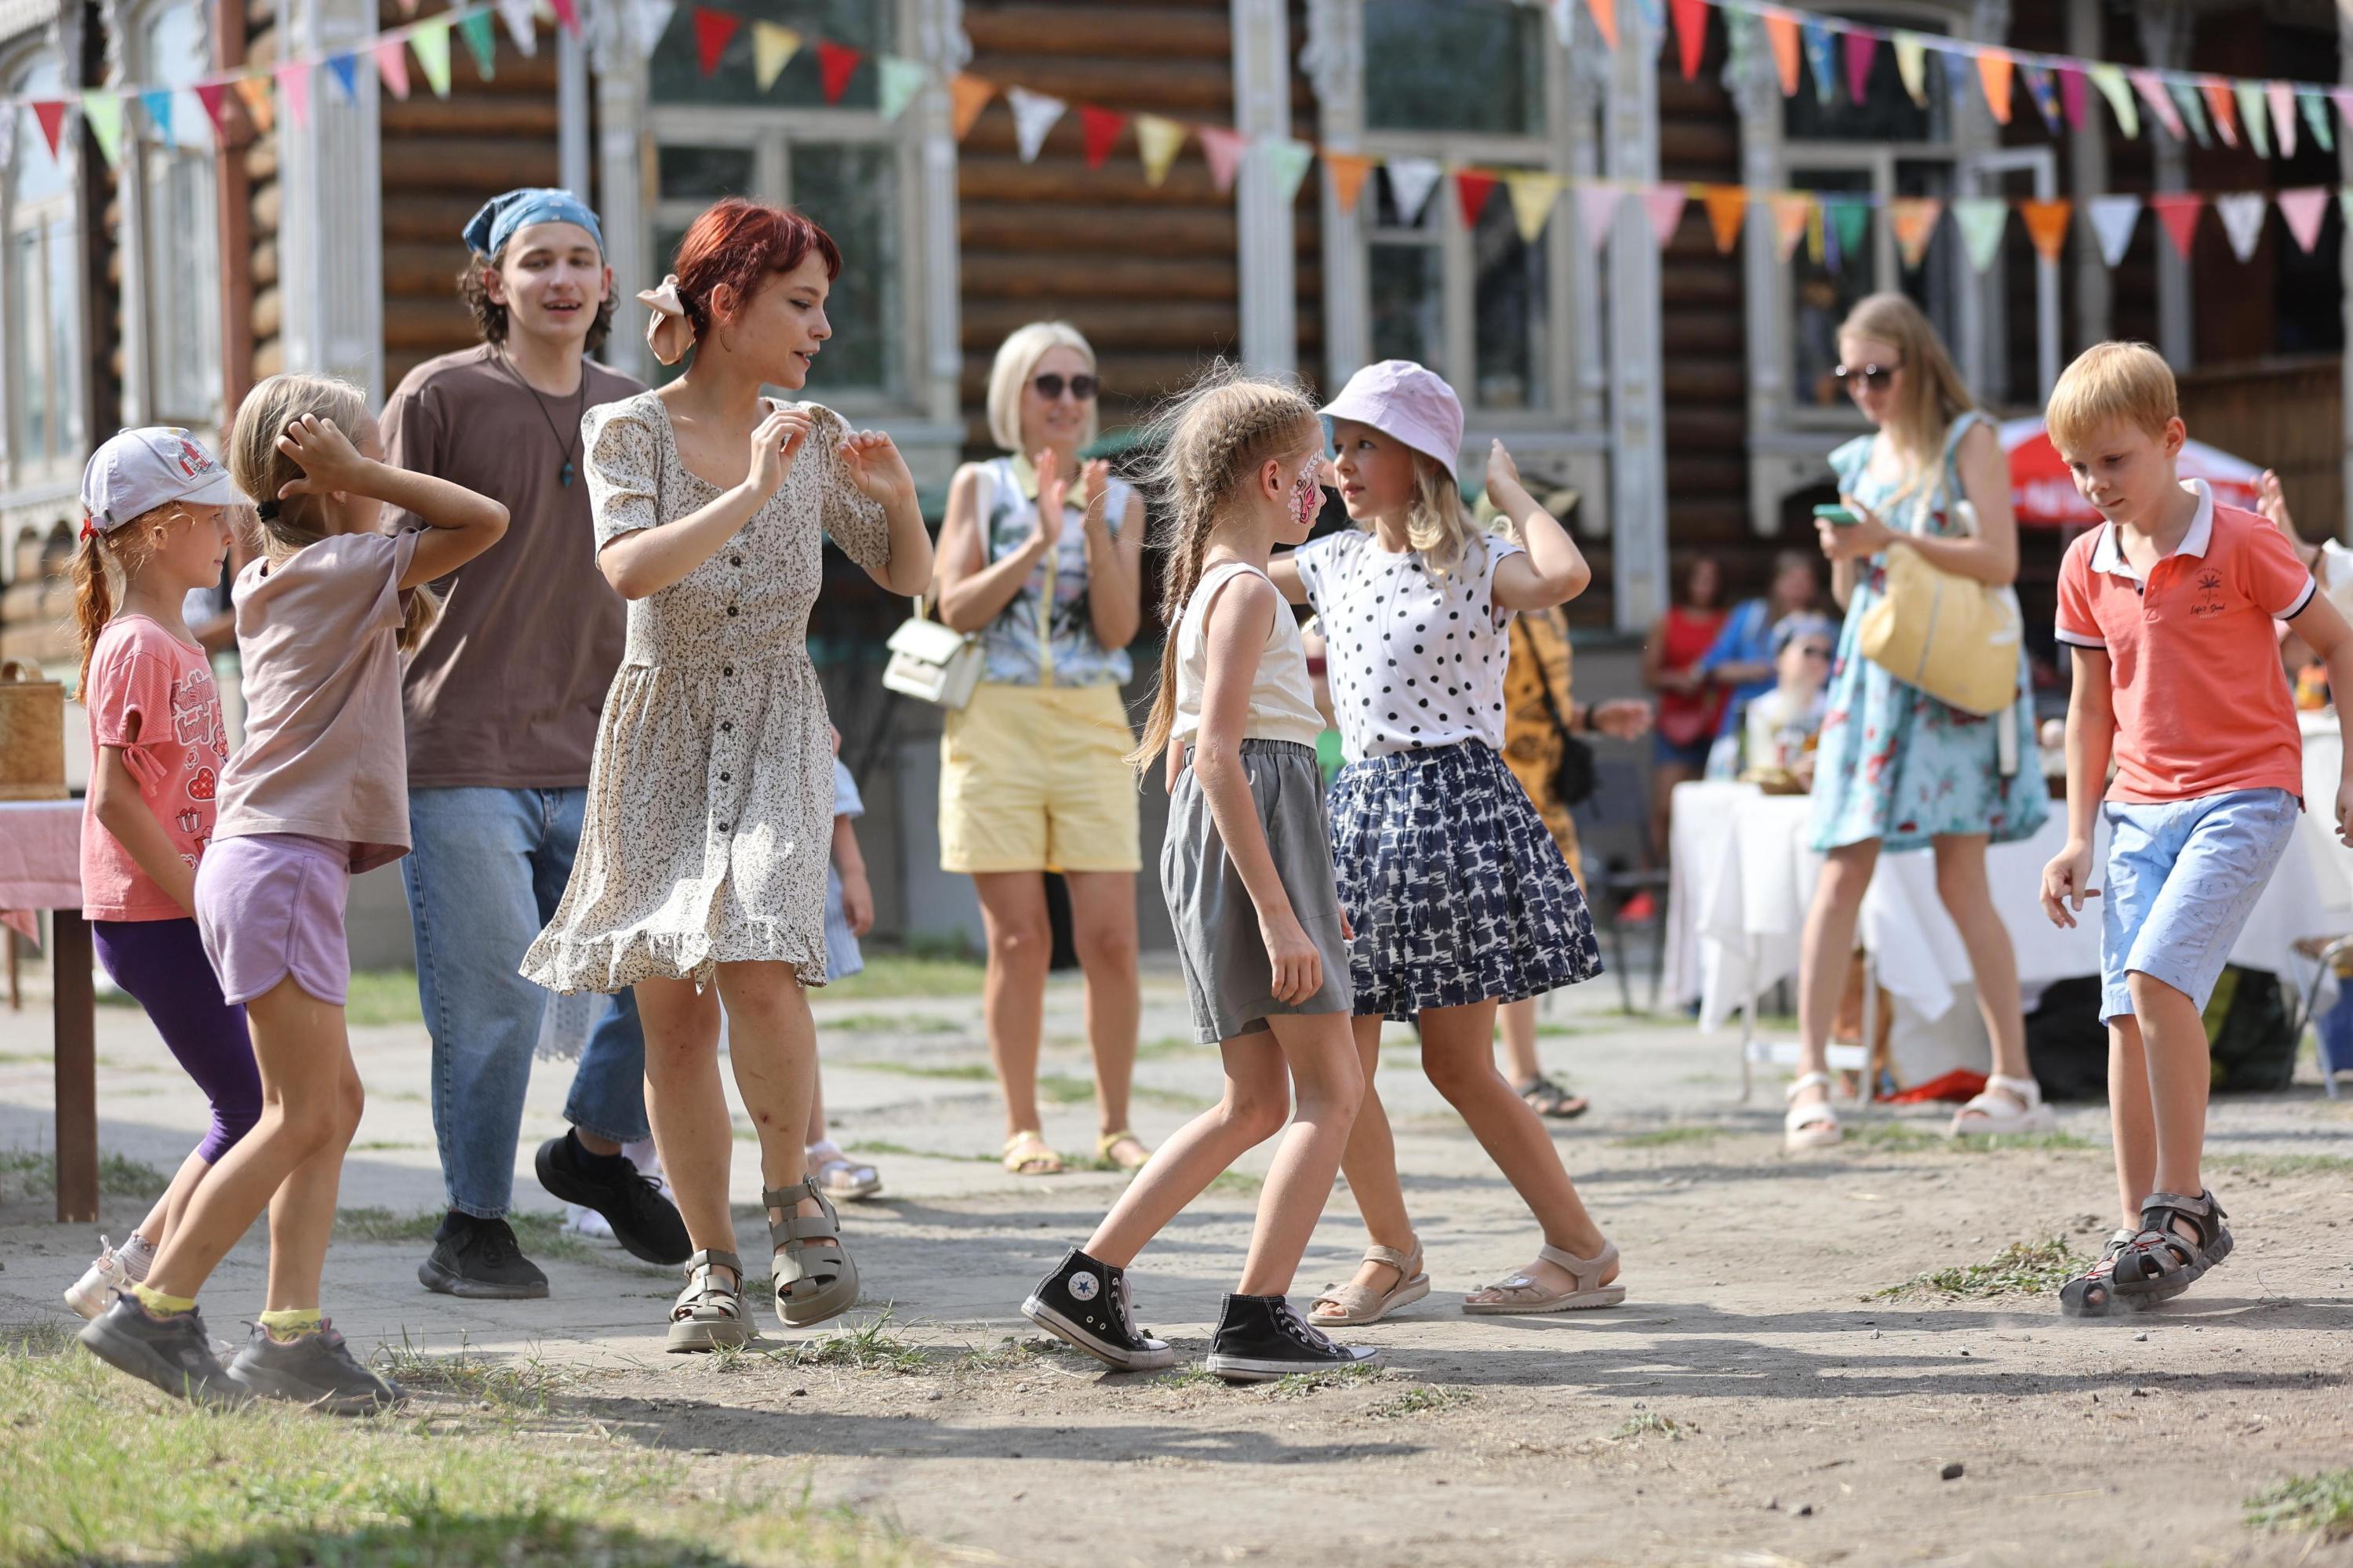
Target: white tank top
x,y
1282,698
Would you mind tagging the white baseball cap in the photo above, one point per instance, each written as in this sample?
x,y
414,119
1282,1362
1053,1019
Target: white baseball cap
x,y
138,471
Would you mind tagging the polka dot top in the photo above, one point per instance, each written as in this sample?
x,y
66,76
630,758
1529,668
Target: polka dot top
x,y
1416,661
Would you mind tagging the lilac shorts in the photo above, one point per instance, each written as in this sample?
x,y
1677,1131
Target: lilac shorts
x,y
272,905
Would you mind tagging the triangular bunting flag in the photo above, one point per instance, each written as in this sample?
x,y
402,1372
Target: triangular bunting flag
x,y
968,96
2178,211
1793,212
2074,91
836,64
2046,226
1472,189
1782,31
1347,172
2255,115
431,40
1993,75
1818,242
1727,209
2218,102
2316,120
346,69
1911,65
713,31
2282,104
2192,105
1691,33
1982,220
1100,128
2241,213
157,103
294,89
648,20
2113,219
2110,80
1819,60
1157,141
1848,225
1532,201
2044,91
1288,160
2160,102
901,79
567,15
1597,212
1913,221
1412,181
522,27
1034,115
1665,204
481,42
1223,148
391,65
773,48
103,112
50,116
2302,210
1605,18
1958,71
254,91
214,95
1860,48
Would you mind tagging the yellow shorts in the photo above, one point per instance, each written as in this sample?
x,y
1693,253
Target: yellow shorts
x,y
1035,779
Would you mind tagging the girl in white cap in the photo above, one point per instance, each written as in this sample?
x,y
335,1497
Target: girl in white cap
x,y
1459,899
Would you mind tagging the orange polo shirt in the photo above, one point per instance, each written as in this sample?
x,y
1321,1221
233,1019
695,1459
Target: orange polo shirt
x,y
2202,703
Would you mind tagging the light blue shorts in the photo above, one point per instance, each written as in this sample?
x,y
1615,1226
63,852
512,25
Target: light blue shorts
x,y
2182,878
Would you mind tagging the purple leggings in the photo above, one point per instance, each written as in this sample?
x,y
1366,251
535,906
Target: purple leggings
x,y
162,964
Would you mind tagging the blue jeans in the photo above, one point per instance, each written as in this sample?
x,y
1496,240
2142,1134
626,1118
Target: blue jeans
x,y
2183,876
485,874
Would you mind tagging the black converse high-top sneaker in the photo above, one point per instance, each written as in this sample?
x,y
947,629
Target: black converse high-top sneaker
x,y
1085,1302
1261,1338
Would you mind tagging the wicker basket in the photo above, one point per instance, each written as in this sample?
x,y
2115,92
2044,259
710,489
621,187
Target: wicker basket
x,y
32,734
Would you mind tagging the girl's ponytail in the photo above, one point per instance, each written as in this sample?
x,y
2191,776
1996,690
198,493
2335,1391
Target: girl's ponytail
x,y
93,598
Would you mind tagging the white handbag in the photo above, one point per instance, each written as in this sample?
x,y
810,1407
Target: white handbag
x,y
932,662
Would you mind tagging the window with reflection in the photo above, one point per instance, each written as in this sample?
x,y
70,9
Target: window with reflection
x,y
42,301
181,261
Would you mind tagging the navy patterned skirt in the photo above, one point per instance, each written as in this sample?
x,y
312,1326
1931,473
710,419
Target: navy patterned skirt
x,y
1456,892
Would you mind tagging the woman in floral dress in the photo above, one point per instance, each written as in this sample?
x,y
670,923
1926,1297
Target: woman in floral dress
x,y
702,874
1897,769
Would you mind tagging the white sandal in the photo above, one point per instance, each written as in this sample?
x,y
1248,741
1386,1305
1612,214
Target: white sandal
x,y
1526,1296
1351,1305
1992,1112
840,1176
1810,1127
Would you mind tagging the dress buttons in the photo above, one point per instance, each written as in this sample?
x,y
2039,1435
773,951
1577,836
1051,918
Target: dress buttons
x,y
734,560
726,726
723,827
731,610
727,779
726,669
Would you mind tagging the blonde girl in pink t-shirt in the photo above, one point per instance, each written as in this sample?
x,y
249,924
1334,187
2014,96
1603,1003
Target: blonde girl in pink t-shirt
x,y
156,524
316,792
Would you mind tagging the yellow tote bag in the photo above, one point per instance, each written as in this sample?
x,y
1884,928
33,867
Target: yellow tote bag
x,y
1951,636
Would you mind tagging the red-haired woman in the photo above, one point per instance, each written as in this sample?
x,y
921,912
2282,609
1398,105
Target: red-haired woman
x,y
702,856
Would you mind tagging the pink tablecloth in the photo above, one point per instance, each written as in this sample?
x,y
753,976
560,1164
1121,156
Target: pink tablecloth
x,y
40,859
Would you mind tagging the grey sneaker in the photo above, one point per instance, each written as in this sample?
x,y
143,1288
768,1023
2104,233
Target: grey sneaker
x,y
173,1353
317,1370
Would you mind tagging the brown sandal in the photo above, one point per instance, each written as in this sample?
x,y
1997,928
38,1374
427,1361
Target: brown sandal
x,y
1348,1305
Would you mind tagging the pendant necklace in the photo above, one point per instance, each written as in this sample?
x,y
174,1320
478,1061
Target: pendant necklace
x,y
564,474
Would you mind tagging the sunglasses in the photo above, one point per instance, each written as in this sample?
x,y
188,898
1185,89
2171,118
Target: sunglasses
x,y
1874,377
1081,387
1814,649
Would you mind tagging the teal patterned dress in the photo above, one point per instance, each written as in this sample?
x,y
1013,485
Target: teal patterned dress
x,y
1893,763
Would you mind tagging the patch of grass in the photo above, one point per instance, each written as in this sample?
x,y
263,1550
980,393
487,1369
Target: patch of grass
x,y
2021,1268
1911,1138
1169,1046
892,1024
540,1234
97,1463
2033,1142
963,1072
1668,1136
1423,1399
2284,1164
1650,1423
36,1339
1010,1355
2322,1503
1239,1183
32,1173
506,1382
888,977
867,1345
1196,1376
383,998
1299,1385
880,1146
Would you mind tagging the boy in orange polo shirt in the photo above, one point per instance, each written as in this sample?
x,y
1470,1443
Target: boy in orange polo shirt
x,y
2169,608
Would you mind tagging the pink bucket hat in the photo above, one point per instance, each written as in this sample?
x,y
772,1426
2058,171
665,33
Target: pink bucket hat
x,y
1406,403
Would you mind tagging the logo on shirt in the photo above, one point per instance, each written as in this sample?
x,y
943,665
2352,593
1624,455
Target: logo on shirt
x,y
2209,595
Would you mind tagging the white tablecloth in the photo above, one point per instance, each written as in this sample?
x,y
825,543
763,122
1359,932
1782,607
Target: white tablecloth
x,y
1743,878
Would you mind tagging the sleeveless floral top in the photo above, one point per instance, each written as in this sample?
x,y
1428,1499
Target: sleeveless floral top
x,y
1045,637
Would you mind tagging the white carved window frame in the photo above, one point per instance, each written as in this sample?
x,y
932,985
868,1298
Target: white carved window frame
x,y
25,479
144,402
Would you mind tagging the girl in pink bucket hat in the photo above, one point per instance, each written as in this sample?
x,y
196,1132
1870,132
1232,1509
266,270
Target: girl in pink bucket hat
x,y
1458,898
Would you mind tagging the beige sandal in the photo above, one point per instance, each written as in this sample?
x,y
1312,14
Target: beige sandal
x,y
1111,1140
1028,1154
1526,1296
1349,1305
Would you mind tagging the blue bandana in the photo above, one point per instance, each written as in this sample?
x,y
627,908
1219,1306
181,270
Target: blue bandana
x,y
501,216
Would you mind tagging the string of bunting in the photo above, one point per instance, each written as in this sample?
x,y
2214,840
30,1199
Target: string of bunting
x,y
1833,225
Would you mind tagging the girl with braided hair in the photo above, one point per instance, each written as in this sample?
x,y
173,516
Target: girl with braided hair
x,y
1247,869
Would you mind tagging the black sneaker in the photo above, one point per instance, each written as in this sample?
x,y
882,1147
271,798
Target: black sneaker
x,y
1259,1338
1085,1302
317,1370
644,1220
173,1353
480,1257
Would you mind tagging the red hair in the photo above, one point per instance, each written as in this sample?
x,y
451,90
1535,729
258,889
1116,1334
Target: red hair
x,y
737,246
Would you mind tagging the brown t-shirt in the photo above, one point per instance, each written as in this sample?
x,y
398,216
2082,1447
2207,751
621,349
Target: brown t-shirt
x,y
506,690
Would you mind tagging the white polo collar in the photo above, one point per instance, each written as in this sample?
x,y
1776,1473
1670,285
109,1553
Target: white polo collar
x,y
2108,555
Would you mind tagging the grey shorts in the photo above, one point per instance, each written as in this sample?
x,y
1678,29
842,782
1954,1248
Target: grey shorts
x,y
1227,975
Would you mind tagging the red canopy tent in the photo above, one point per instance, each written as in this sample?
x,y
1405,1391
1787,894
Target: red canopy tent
x,y
2043,493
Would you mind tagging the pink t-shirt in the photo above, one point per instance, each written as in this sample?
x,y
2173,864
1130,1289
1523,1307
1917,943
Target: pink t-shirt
x,y
152,696
324,754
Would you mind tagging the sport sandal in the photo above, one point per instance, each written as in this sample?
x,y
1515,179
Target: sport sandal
x,y
2093,1293
814,1279
1810,1127
709,1313
1522,1294
2162,1263
1349,1305
2006,1106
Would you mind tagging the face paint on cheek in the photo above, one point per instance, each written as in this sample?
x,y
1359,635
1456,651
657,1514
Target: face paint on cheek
x,y
1305,500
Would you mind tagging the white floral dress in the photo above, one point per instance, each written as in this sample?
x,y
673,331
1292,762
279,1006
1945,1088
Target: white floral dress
x,y
709,817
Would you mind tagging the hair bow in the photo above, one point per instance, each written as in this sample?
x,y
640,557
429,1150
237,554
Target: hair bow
x,y
670,333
